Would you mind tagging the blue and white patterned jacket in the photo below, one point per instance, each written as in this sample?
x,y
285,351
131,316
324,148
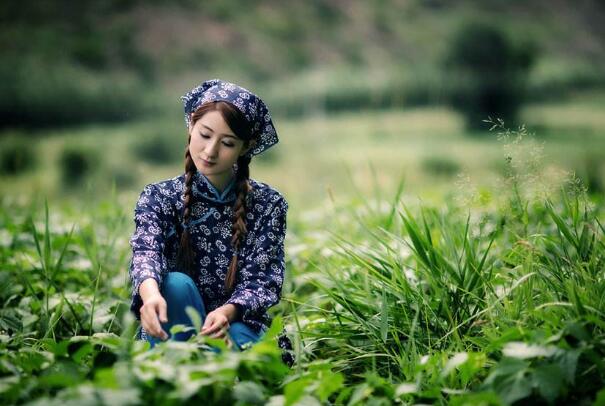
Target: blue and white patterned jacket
x,y
261,262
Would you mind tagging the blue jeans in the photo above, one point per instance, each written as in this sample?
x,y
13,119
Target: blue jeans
x,y
180,291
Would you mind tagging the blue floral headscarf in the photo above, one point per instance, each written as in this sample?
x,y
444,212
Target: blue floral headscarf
x,y
248,103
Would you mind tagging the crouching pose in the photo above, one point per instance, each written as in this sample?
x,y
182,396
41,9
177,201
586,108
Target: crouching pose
x,y
212,238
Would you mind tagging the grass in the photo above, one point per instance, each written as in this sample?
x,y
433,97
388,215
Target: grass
x,y
441,300
488,292
386,300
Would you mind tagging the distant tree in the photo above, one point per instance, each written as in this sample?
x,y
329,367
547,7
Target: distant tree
x,y
59,54
487,73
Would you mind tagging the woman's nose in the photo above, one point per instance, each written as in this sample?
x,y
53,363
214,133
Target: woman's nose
x,y
211,148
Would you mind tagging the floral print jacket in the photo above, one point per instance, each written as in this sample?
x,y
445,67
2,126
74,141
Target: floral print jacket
x,y
261,264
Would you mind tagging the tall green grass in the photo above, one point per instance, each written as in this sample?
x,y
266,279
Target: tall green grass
x,y
474,301
495,303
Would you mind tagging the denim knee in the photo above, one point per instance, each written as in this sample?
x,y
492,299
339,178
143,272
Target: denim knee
x,y
242,334
176,283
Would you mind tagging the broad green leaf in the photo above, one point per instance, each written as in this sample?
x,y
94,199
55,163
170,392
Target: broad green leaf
x,y
600,399
329,383
295,390
568,363
249,393
549,380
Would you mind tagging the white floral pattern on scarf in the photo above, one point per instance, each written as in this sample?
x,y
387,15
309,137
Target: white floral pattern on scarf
x,y
252,107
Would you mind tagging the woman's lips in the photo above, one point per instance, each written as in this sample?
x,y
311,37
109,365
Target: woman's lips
x,y
208,163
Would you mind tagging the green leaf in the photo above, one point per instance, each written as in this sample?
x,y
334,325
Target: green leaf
x,y
477,399
600,399
295,390
577,331
568,363
109,340
79,355
509,379
120,397
106,378
195,317
362,391
384,316
180,328
58,348
549,380
249,393
330,382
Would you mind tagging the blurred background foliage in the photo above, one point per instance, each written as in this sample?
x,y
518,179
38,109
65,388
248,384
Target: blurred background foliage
x,y
92,88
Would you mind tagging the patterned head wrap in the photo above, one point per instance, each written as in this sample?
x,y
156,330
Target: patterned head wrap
x,y
248,103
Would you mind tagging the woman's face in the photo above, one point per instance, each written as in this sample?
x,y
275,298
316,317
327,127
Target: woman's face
x,y
215,148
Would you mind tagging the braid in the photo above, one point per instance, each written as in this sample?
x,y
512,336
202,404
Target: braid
x,y
239,216
186,256
241,127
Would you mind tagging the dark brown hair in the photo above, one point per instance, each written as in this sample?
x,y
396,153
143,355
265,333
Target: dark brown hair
x,y
239,125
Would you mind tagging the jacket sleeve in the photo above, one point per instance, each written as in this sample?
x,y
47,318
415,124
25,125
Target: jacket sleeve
x,y
147,244
261,275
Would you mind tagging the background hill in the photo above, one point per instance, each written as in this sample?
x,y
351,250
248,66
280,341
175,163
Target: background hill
x,y
117,59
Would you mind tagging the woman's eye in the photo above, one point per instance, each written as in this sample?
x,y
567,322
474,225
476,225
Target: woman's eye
x,y
224,143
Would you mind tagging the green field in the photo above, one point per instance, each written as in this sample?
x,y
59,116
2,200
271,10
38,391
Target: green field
x,y
329,156
423,266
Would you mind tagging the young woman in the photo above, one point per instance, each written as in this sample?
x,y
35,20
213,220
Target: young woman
x,y
212,238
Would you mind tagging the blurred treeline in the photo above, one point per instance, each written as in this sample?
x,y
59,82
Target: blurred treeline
x,y
66,62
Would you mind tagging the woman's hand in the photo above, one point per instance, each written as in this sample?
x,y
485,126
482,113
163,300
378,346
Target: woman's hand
x,y
154,305
216,324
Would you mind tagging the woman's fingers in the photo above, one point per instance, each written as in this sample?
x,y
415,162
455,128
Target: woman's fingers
x,y
221,333
212,329
214,326
151,324
211,325
163,311
207,323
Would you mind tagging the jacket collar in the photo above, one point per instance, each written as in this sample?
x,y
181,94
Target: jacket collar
x,y
202,186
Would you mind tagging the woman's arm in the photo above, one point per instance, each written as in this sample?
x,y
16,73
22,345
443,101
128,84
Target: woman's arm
x,y
154,304
148,288
148,265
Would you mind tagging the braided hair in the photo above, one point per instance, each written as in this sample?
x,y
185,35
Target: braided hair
x,y
239,125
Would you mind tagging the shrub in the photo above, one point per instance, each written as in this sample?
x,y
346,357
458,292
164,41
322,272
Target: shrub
x,y
592,171
17,156
76,164
123,177
39,94
440,166
488,73
159,148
